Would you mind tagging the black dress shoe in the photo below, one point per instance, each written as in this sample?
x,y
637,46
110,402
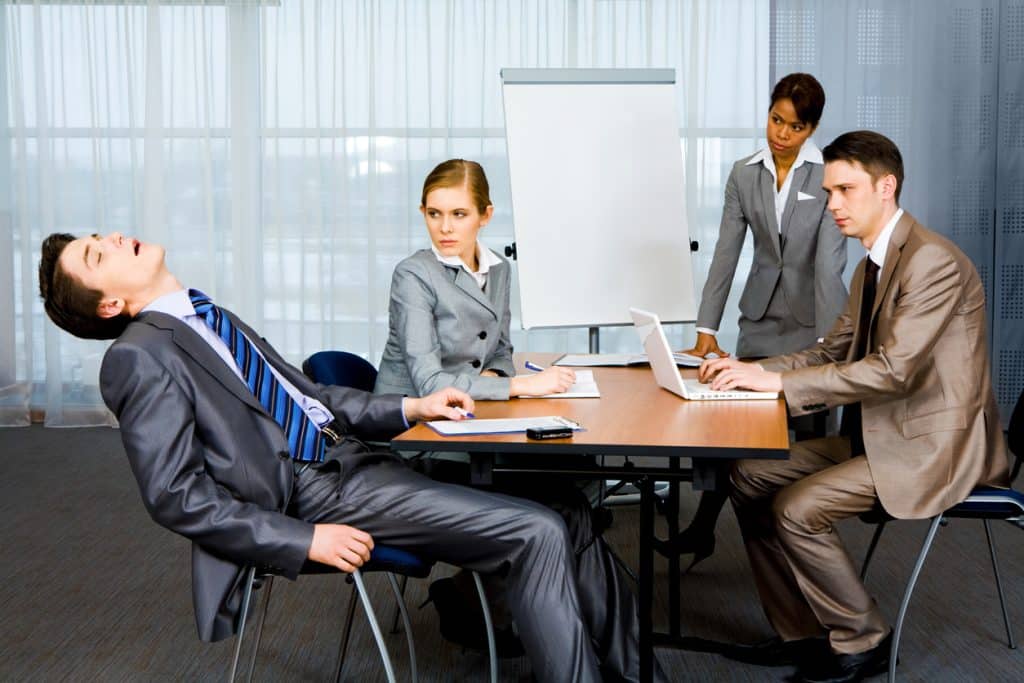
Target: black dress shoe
x,y
462,621
839,668
778,652
771,652
689,540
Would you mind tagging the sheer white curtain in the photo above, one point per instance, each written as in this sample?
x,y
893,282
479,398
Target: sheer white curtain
x,y
278,148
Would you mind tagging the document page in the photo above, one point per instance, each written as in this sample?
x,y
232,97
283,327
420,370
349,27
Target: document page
x,y
590,360
500,426
593,360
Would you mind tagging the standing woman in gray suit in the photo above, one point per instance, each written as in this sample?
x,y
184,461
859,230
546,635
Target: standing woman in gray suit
x,y
449,312
794,290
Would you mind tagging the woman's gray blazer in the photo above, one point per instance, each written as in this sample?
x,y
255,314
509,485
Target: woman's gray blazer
x,y
444,330
801,267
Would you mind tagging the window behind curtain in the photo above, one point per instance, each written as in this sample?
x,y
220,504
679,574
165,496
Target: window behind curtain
x,y
278,149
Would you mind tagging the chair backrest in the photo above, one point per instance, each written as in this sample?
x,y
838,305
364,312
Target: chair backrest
x,y
1015,435
340,368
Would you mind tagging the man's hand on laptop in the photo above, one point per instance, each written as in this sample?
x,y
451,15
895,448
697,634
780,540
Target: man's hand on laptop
x,y
726,374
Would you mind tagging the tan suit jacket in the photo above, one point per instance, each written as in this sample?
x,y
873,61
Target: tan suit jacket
x,y
931,425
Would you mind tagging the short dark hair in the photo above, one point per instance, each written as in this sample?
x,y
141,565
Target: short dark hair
x,y
877,154
72,306
806,94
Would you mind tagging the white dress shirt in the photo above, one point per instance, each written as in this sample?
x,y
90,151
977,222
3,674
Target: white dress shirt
x,y
809,153
881,245
485,258
179,305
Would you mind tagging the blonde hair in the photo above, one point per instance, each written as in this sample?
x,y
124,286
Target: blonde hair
x,y
458,173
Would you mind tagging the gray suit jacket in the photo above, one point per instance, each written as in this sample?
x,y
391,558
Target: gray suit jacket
x,y
445,330
805,261
931,424
211,464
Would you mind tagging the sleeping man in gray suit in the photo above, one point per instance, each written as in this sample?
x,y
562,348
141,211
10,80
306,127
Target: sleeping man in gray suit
x,y
238,451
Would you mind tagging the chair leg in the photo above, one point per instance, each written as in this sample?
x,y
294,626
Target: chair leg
x,y
406,623
346,631
401,599
492,647
374,626
259,628
871,549
894,652
250,577
1010,642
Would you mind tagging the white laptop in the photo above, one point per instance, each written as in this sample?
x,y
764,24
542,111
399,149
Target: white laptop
x,y
652,336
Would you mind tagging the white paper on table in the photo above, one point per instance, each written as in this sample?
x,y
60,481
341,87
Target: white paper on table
x,y
593,360
500,425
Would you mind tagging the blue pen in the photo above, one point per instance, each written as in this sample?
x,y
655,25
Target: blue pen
x,y
533,366
463,412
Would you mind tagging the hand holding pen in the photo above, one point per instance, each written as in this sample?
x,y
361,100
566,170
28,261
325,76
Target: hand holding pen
x,y
553,380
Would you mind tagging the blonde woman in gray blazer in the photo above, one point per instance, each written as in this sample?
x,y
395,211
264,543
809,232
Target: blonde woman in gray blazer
x,y
449,312
447,331
449,326
795,291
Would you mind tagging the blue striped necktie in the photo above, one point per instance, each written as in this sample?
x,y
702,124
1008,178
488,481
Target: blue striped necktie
x,y
305,440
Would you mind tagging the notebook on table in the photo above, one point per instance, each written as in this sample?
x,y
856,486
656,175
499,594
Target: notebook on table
x,y
590,360
652,336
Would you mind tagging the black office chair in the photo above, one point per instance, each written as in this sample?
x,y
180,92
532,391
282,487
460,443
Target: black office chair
x,y
385,559
985,503
347,369
340,368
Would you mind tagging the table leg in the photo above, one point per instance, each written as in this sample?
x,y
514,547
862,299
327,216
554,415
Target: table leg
x,y
481,469
674,577
646,578
710,474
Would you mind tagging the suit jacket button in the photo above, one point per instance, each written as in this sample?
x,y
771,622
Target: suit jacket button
x,y
284,455
483,334
475,363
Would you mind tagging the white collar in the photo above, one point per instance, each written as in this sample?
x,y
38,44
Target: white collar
x,y
809,153
485,259
175,303
881,245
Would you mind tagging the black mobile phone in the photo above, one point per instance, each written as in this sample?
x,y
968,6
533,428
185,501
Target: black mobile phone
x,y
548,432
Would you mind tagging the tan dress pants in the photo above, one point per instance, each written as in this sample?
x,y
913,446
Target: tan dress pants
x,y
787,510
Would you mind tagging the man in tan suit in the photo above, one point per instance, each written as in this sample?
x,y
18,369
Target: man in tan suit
x,y
909,354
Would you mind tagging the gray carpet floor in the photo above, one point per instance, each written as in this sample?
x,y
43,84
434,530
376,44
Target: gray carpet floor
x,y
93,590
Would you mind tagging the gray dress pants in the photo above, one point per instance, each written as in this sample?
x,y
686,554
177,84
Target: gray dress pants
x,y
569,616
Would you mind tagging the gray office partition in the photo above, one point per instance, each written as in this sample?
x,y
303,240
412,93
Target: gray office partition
x,y
944,80
1008,319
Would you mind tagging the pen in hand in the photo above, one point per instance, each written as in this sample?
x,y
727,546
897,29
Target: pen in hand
x,y
464,413
533,367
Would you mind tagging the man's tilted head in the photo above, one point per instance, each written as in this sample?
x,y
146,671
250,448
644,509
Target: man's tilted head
x,y
92,286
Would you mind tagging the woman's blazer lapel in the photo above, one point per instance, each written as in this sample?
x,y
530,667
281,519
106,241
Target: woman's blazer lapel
x,y
766,190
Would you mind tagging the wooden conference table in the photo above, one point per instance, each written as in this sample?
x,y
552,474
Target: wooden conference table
x,y
633,418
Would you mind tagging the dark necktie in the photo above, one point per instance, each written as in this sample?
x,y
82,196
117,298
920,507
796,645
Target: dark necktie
x,y
852,423
305,440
